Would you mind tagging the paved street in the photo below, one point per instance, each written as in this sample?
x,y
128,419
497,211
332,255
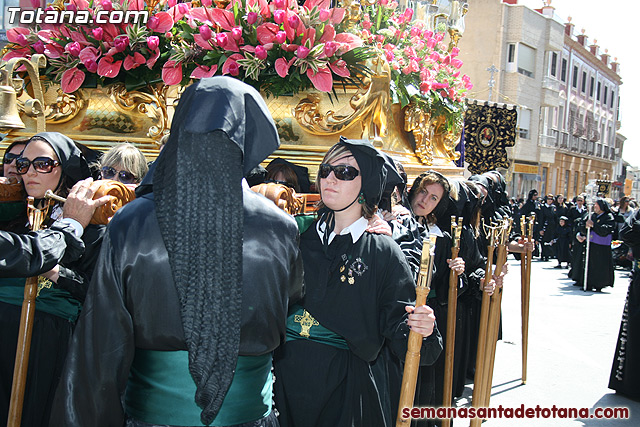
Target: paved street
x,y
572,339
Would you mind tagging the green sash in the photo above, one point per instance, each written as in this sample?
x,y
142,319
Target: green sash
x,y
160,390
50,299
301,325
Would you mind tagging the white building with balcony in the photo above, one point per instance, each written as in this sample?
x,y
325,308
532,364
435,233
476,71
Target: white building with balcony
x,y
567,94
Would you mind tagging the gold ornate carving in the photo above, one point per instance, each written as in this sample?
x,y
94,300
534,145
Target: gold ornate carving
x,y
433,139
65,107
418,122
152,104
369,106
353,12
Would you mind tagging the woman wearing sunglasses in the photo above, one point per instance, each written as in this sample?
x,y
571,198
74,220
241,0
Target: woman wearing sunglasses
x,y
10,155
125,163
358,288
52,161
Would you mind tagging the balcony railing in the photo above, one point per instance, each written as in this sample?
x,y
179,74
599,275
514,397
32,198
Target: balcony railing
x,y
550,83
580,145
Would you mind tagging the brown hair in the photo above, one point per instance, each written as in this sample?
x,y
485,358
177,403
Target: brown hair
x,y
428,178
290,177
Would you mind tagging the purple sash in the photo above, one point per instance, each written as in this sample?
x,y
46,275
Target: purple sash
x,y
599,240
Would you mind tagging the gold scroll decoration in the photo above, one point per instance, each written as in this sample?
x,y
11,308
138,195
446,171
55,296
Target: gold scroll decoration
x,y
431,135
369,106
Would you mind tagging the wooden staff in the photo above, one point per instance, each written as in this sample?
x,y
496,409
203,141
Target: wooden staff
x,y
484,323
526,291
586,262
494,312
36,217
412,359
523,282
456,229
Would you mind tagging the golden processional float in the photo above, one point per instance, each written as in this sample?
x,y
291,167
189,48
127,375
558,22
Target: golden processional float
x,y
36,93
375,70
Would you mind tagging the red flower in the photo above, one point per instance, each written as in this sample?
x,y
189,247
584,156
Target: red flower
x,y
108,68
203,71
72,79
172,72
133,61
161,22
231,65
339,67
322,80
282,67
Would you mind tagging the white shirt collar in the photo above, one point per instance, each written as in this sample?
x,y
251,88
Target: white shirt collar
x,y
356,229
435,230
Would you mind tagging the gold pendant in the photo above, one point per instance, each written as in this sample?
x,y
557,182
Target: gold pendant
x,y
43,282
306,321
342,278
352,280
341,269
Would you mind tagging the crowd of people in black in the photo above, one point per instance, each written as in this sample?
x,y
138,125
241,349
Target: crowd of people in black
x,y
199,291
561,229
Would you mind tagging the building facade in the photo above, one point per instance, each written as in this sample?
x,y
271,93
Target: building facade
x,y
566,92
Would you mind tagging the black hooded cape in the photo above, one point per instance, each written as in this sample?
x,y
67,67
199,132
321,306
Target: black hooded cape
x,y
195,263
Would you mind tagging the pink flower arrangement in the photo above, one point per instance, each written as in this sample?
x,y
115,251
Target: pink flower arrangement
x,y
423,69
276,45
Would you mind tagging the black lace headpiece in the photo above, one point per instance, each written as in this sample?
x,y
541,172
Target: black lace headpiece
x,y
221,130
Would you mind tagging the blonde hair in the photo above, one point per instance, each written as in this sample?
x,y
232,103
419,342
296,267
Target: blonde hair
x,y
129,157
336,152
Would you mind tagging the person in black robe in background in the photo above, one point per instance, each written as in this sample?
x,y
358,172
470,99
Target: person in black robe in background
x,y
193,283
60,296
466,205
429,201
601,225
577,217
577,211
625,372
359,290
27,255
548,224
562,208
531,207
563,238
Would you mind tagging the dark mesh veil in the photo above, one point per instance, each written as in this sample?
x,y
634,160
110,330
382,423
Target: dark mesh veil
x,y
221,130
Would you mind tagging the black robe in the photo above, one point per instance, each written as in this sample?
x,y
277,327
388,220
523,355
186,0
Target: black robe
x,y
578,248
548,224
563,239
51,333
601,272
26,255
133,303
321,385
625,372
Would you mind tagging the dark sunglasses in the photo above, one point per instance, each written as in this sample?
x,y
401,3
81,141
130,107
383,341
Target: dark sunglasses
x,y
124,177
275,181
9,158
40,164
341,172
